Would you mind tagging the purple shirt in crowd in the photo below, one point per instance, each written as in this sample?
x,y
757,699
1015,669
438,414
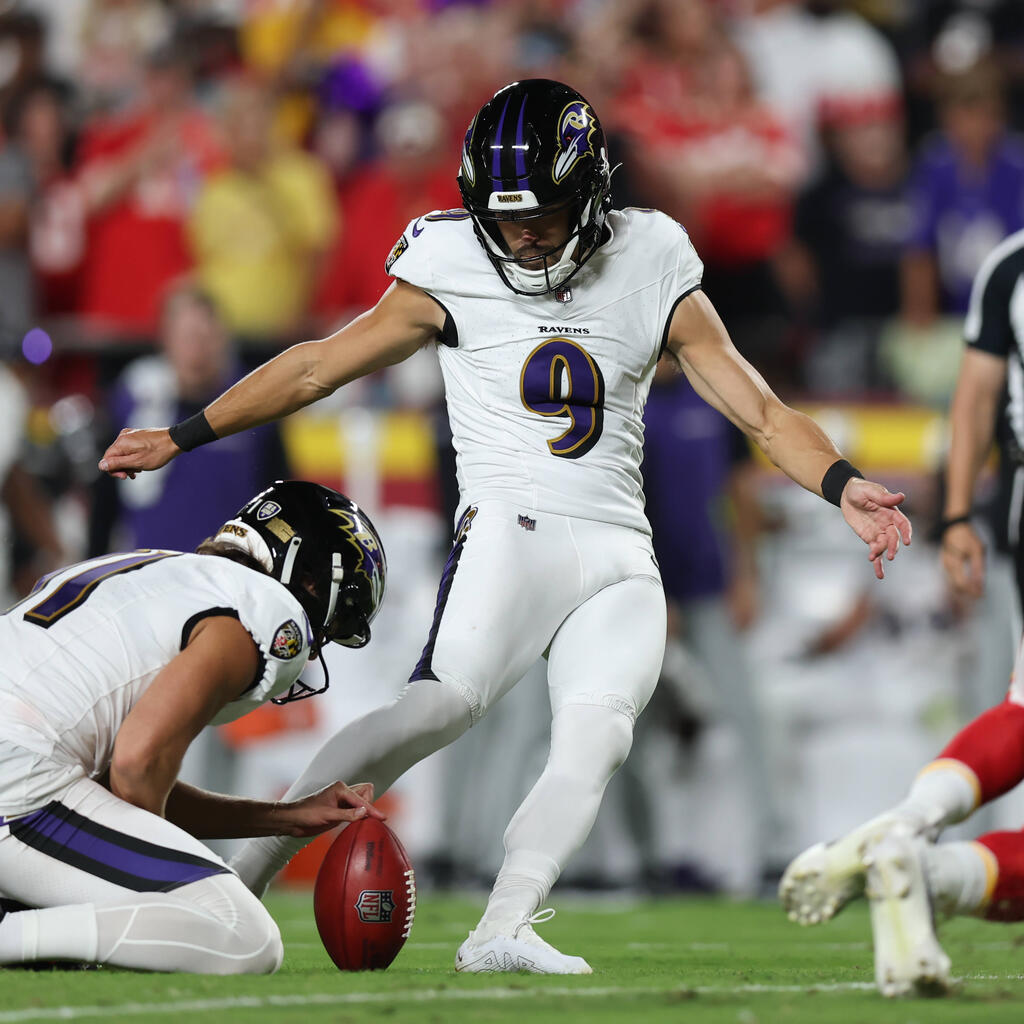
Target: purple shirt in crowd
x,y
961,215
186,502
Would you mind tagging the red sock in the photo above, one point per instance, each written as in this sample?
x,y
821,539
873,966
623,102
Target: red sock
x,y
992,746
1007,900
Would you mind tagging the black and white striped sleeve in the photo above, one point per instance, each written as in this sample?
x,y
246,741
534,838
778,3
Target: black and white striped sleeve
x,y
990,316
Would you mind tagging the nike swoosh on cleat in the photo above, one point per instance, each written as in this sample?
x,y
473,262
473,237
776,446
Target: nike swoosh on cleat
x,y
416,229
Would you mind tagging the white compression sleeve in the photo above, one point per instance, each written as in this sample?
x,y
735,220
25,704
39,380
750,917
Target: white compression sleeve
x,y
588,743
377,748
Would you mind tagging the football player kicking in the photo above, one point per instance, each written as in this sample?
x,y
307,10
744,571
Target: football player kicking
x,y
549,311
111,668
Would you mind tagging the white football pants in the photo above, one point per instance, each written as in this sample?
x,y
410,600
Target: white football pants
x,y
517,584
118,885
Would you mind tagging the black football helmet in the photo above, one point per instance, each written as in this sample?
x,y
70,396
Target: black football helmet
x,y
325,550
535,148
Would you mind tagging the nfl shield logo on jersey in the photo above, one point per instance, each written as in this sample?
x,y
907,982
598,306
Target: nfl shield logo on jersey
x,y
375,906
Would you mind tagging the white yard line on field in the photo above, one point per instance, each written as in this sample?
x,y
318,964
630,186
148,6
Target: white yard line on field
x,y
421,996
724,947
433,995
720,947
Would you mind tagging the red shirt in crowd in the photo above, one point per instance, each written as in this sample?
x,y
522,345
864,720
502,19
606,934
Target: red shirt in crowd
x,y
732,166
376,207
57,245
733,226
137,244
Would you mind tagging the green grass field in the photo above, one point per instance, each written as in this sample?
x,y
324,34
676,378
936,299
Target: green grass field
x,y
681,960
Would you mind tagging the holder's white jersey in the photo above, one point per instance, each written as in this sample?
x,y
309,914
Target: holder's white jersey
x,y
85,645
546,397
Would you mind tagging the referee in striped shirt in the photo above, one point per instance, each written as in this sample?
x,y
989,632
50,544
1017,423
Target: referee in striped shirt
x,y
988,403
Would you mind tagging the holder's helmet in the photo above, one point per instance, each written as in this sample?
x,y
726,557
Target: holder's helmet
x,y
535,148
324,549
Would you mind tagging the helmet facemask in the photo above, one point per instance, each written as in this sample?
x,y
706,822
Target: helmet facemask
x,y
332,604
345,622
586,218
332,607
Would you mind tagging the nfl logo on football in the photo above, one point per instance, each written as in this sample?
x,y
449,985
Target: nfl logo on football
x,y
375,906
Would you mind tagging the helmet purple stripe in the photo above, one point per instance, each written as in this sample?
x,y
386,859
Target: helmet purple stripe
x,y
522,181
496,145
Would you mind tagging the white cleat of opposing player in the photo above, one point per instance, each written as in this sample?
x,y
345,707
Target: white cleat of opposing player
x,y
882,859
522,949
819,883
908,957
826,876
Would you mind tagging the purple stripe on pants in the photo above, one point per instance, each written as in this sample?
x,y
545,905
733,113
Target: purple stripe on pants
x,y
67,836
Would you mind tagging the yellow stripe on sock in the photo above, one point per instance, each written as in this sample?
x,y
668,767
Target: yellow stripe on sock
x,y
991,873
952,765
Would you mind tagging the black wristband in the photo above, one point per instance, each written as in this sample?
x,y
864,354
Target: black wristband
x,y
836,477
945,524
193,432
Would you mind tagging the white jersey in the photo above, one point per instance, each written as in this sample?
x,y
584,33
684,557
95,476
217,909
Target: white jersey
x,y
85,645
546,397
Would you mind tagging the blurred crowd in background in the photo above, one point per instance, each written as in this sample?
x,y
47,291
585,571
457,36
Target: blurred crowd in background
x,y
187,186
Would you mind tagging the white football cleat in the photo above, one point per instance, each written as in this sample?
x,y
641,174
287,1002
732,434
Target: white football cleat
x,y
826,876
520,950
908,957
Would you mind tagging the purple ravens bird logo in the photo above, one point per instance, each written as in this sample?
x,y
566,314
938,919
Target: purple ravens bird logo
x,y
371,558
576,127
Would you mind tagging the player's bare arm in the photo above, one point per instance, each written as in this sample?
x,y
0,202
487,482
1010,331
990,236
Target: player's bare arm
x,y
792,440
979,388
404,320
216,816
219,662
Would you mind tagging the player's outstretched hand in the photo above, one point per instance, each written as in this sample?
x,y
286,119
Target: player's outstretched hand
x,y
963,558
873,513
136,450
332,806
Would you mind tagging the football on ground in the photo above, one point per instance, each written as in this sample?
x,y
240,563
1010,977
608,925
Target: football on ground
x,y
365,897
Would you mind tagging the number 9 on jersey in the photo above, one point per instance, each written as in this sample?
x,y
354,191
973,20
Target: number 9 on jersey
x,y
560,378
